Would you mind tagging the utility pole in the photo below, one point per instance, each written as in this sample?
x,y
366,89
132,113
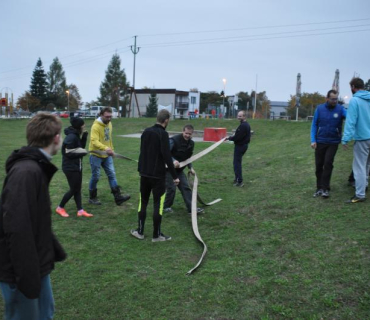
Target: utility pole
x,y
135,51
255,98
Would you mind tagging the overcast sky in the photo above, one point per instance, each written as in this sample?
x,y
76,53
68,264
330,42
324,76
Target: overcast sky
x,y
189,44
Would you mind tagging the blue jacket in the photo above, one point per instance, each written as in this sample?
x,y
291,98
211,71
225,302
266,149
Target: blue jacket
x,y
358,120
327,124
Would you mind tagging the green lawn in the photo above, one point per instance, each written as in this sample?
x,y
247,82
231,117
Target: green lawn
x,y
274,252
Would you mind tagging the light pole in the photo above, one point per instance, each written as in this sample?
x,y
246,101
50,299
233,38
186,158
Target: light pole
x,y
223,100
67,92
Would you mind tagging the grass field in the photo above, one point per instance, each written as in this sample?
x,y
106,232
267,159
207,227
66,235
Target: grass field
x,y
274,252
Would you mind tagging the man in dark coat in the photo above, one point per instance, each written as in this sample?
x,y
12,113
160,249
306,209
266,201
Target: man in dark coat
x,y
241,140
28,247
154,156
182,147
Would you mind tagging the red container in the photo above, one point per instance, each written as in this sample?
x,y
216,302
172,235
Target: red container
x,y
214,134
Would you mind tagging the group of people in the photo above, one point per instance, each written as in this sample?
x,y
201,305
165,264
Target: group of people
x,y
28,247
326,135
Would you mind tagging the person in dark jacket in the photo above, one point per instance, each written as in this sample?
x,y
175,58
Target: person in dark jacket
x,y
182,147
72,166
28,247
326,134
154,156
241,140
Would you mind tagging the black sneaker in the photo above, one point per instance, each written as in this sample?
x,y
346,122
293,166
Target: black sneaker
x,y
355,199
161,238
199,211
318,193
325,194
137,235
239,184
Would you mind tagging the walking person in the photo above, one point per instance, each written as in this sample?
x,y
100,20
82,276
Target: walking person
x,y
357,128
241,140
101,141
72,166
326,134
28,247
154,156
182,148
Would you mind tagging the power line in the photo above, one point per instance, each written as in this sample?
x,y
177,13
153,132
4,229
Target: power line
x,y
253,28
244,37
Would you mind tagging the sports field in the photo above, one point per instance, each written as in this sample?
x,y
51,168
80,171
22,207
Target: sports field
x,y
274,252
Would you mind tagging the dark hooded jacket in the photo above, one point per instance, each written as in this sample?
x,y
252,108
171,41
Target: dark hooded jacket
x,y
28,247
73,161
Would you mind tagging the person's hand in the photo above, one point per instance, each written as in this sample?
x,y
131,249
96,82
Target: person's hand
x,y
109,152
227,138
192,171
313,145
176,164
345,146
176,181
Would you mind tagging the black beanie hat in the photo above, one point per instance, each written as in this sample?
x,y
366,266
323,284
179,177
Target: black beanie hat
x,y
77,123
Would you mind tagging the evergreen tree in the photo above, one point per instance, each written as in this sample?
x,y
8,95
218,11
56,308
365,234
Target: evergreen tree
x,y
57,85
114,87
38,85
152,107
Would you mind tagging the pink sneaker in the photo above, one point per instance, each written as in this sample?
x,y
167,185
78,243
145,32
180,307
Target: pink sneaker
x,y
83,213
62,212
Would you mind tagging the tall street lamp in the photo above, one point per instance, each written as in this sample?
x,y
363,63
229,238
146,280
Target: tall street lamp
x,y
67,92
223,100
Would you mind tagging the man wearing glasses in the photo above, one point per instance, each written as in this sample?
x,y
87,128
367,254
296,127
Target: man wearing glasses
x,y
326,133
101,142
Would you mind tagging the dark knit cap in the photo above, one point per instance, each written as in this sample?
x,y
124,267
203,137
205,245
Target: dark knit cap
x,y
77,123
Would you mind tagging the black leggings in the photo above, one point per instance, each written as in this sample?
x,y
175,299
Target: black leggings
x,y
75,184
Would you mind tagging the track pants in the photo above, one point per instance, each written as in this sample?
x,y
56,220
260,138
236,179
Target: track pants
x,y
158,188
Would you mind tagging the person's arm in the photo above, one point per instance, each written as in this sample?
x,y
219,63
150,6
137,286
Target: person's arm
x,y
314,130
351,120
84,139
344,112
166,154
70,142
19,223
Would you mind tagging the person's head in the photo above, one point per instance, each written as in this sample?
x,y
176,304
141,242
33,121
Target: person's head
x,y
241,116
163,117
106,115
357,84
77,123
43,131
187,131
332,98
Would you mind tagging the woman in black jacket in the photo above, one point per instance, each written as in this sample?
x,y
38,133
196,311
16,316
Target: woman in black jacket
x,y
72,166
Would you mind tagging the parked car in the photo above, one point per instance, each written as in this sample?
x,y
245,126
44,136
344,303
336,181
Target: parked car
x,y
64,114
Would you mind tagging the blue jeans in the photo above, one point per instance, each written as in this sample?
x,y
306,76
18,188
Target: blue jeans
x,y
18,307
238,155
108,166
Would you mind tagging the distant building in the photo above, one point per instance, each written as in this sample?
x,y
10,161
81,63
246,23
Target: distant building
x,y
278,109
179,103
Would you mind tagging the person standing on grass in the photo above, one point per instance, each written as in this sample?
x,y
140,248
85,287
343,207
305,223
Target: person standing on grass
x,y
101,141
72,166
154,156
326,134
28,247
182,147
241,140
357,127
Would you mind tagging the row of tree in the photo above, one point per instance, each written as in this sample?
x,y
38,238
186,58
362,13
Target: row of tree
x,y
50,91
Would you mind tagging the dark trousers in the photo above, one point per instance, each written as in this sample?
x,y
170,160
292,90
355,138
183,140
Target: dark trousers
x,y
158,188
238,156
183,187
75,183
324,158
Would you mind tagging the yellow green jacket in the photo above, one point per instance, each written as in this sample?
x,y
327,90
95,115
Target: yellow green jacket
x,y
101,137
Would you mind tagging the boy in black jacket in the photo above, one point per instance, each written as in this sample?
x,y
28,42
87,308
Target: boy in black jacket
x,y
28,247
154,156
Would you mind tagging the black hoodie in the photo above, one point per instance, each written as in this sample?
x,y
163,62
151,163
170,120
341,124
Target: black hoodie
x,y
28,248
73,161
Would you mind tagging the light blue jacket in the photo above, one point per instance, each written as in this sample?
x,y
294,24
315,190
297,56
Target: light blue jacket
x,y
357,125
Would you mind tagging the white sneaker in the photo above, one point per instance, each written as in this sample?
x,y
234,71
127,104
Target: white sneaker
x,y
137,235
161,238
